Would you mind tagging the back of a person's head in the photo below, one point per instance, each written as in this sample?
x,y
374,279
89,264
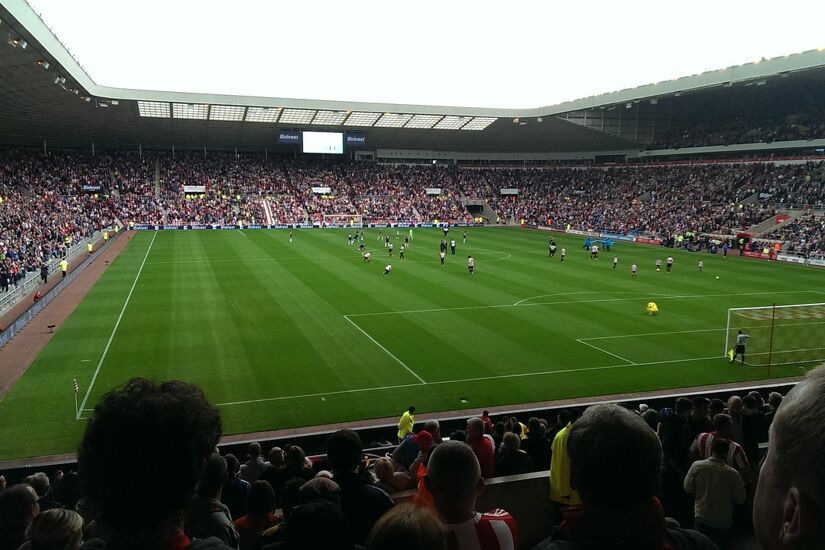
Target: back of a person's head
x,y
143,451
384,469
719,447
233,465
17,506
683,405
407,527
721,423
789,505
213,475
55,529
533,425
261,499
253,450
318,525
453,469
475,427
614,457
344,451
510,442
564,417
319,488
39,482
433,427
294,457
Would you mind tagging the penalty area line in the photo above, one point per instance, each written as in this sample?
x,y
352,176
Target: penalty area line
x,y
580,341
465,380
114,330
388,352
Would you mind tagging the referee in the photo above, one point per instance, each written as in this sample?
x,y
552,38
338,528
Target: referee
x,y
741,339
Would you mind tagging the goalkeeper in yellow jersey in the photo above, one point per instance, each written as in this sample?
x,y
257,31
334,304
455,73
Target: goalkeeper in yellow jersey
x,y
652,308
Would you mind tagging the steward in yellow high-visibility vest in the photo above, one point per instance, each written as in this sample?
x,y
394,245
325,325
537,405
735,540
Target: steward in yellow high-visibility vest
x,y
64,266
105,236
90,248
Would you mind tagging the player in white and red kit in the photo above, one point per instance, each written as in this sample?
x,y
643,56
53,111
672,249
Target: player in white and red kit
x,y
454,478
471,264
594,252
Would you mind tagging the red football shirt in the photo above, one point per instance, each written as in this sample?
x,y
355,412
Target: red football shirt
x,y
495,530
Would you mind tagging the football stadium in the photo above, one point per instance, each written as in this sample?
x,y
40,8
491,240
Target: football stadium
x,y
246,320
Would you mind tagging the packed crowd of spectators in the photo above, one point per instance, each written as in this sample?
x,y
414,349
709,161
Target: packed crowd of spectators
x,y
51,200
778,111
805,235
620,477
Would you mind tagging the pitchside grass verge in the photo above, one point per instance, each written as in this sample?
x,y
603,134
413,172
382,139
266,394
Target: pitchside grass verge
x,y
282,335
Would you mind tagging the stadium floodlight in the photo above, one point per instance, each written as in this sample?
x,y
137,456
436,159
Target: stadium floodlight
x,y
423,121
453,122
392,120
297,116
262,114
359,118
196,111
226,112
330,118
481,122
154,109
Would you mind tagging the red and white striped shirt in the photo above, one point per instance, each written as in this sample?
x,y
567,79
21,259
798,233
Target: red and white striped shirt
x,y
495,530
736,454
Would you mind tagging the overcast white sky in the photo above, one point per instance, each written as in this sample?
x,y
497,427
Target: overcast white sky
x,y
507,54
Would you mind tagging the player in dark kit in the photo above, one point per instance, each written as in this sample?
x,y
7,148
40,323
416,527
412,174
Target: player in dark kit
x,y
443,246
465,238
401,251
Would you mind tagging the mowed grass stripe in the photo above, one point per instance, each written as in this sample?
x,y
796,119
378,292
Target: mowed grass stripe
x,y
253,318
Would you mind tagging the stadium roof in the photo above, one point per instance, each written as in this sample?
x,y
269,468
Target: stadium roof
x,y
45,95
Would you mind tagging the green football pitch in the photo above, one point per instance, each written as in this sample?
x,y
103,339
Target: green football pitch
x,y
282,334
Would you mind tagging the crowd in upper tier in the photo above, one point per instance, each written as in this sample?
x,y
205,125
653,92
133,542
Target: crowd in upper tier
x,y
779,111
51,200
689,477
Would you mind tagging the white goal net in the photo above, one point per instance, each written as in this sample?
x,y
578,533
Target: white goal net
x,y
778,335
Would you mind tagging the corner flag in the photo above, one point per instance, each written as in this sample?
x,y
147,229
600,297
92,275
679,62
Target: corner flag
x,y
76,387
731,354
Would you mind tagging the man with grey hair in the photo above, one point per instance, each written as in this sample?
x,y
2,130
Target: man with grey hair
x,y
789,505
615,459
454,480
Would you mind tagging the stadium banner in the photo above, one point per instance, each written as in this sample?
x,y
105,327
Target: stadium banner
x,y
432,190
196,227
322,190
617,237
760,255
194,189
645,240
91,188
790,258
817,261
231,226
508,191
255,226
580,232
426,225
289,136
355,139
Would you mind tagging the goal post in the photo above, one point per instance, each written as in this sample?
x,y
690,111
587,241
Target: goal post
x,y
343,220
778,335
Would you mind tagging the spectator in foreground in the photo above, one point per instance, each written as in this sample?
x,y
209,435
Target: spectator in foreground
x,y
674,432
717,488
560,490
361,501
789,505
149,441
55,529
454,480
206,516
537,445
18,507
510,459
615,460
318,525
235,489
407,527
254,466
482,446
259,515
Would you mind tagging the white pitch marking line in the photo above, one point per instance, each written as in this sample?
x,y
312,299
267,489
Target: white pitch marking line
x,y
605,351
388,352
693,331
117,324
589,292
464,380
660,297
242,233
